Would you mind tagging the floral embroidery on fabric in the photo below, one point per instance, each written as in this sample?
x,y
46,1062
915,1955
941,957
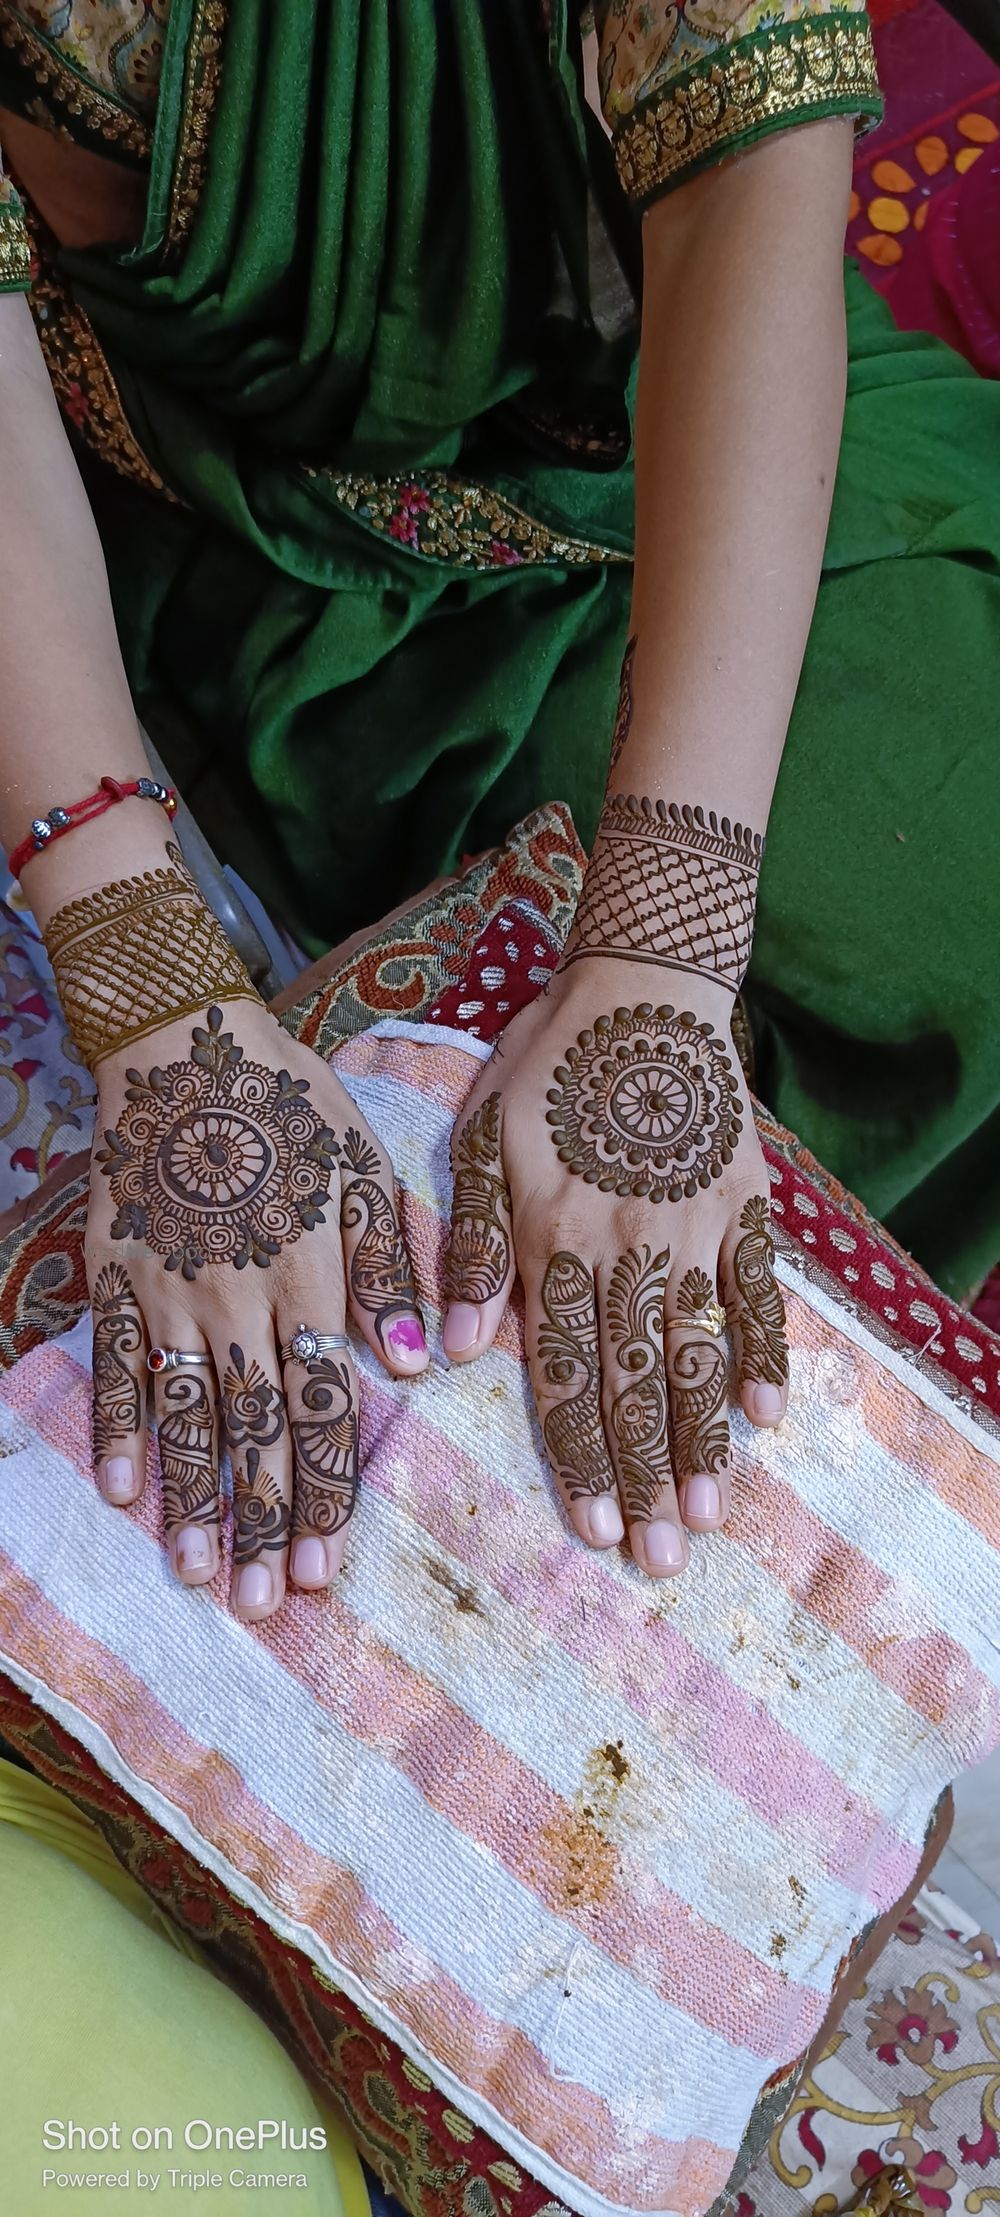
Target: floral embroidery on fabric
x,y
117,45
15,252
684,82
446,519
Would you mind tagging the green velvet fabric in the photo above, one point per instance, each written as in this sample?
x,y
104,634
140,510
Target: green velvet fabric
x,y
393,269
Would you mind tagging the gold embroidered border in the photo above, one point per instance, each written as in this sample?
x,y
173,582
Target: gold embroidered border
x,y
81,379
72,93
201,90
447,519
15,251
758,85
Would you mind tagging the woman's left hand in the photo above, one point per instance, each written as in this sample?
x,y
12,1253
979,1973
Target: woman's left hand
x,y
608,1152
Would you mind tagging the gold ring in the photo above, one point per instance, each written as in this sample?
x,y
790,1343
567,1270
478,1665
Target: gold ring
x,y
711,1319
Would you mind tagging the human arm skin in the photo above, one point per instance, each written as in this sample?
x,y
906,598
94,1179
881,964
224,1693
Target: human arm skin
x,y
741,394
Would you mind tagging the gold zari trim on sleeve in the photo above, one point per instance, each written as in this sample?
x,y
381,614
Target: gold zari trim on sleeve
x,y
758,85
201,90
15,252
72,94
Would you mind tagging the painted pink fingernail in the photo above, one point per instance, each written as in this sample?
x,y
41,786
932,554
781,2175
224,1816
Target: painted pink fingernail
x,y
663,1547
767,1404
119,1483
254,1589
703,1500
461,1328
309,1563
604,1522
194,1551
407,1342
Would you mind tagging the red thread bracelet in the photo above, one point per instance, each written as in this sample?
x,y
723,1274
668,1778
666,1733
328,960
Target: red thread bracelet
x,y
61,820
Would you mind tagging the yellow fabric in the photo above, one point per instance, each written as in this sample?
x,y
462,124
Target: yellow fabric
x,y
686,82
110,2017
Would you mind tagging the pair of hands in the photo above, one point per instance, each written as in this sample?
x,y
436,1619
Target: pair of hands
x,y
607,1154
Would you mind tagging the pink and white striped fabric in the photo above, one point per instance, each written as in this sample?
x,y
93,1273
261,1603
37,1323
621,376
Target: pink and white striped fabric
x,y
589,1850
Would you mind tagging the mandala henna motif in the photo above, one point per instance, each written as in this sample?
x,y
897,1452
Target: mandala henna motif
x,y
698,1374
623,717
670,885
646,1105
479,1251
569,1355
635,1299
253,1409
379,1268
261,1515
217,1159
186,1433
118,1339
326,1449
760,1313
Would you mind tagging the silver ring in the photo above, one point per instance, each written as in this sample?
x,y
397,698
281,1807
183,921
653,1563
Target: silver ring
x,y
172,1358
305,1344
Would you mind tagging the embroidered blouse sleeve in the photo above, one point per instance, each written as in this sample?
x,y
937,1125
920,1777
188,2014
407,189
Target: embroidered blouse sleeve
x,y
15,257
686,82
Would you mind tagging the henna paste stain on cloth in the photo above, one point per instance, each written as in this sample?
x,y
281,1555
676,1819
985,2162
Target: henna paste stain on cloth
x,y
569,1356
479,1252
760,1312
639,1416
217,1159
647,1105
118,1336
671,885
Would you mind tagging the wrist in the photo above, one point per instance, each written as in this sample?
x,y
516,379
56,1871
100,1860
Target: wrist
x,y
128,838
672,886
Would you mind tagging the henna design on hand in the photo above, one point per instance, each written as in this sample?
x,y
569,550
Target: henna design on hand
x,y
118,1334
217,1159
380,1274
130,956
479,1252
760,1313
326,1449
646,1105
569,1354
698,1374
639,1414
670,885
186,1433
623,717
253,1409
261,1515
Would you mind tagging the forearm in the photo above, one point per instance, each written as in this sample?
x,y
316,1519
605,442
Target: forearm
x,y
741,393
66,716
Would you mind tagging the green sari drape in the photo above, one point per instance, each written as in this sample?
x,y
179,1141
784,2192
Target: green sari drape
x,y
372,342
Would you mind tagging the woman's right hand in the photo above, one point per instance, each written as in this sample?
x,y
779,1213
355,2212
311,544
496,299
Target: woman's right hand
x,y
237,1195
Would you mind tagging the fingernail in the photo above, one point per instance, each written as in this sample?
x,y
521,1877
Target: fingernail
x,y
253,1589
663,1546
461,1328
309,1563
119,1483
194,1550
407,1342
703,1500
767,1404
603,1520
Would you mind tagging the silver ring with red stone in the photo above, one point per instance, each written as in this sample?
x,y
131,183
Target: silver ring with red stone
x,y
305,1344
172,1358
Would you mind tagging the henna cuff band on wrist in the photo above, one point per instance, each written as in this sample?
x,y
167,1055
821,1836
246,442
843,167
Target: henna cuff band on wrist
x,y
138,954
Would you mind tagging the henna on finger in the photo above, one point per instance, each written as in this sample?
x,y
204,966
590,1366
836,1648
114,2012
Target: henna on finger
x,y
253,1408
325,1441
698,1376
639,1412
118,1337
647,1105
479,1251
186,1435
569,1355
672,885
379,1272
253,1415
759,1312
262,1517
216,1159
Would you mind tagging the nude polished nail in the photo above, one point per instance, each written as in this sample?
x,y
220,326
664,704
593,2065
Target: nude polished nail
x,y
309,1562
194,1551
461,1328
663,1546
254,1590
703,1500
119,1482
767,1404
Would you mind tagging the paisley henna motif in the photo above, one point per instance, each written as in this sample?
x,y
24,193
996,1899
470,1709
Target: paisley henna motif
x,y
479,1252
326,1449
760,1310
379,1267
639,1414
698,1375
118,1340
186,1432
569,1356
